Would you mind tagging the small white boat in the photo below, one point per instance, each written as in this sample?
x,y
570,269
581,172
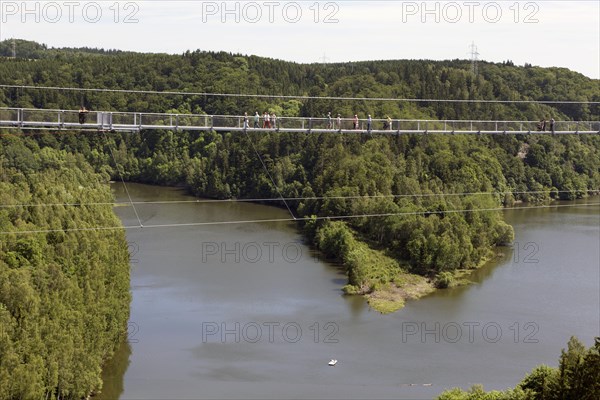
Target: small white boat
x,y
333,362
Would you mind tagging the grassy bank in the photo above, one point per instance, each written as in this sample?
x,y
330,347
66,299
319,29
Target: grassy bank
x,y
372,273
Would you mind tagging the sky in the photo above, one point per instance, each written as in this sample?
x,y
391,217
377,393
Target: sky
x,y
545,33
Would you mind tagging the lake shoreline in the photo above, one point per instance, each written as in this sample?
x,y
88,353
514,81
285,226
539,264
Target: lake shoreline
x,y
175,293
406,286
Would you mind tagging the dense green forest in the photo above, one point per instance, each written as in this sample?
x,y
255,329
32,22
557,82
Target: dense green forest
x,y
417,170
64,292
72,280
230,73
414,172
577,377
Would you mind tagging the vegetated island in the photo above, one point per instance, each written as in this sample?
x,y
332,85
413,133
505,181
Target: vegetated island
x,y
63,292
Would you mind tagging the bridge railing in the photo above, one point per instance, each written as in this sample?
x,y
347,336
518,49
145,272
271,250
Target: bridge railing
x,y
72,117
108,120
10,115
119,118
229,121
295,123
40,116
578,126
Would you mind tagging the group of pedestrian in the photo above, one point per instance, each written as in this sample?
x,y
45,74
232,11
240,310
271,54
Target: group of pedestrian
x,y
355,122
269,120
543,124
331,124
387,123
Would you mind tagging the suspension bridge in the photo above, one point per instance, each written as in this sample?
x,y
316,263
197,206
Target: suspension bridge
x,y
48,119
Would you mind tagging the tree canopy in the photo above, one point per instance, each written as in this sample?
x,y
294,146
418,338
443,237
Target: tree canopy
x,y
577,377
64,294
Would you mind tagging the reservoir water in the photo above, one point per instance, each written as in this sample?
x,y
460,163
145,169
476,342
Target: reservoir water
x,y
250,311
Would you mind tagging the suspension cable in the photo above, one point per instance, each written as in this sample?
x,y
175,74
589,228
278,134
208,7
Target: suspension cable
x,y
268,173
274,220
294,97
122,180
271,199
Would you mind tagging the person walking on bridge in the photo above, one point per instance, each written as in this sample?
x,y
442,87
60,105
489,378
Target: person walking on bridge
x,y
541,126
355,124
256,120
82,115
245,120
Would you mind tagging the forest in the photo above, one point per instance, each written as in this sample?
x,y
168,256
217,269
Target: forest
x,y
64,290
433,185
575,378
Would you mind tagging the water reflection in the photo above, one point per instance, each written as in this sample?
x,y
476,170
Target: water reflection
x,y
176,290
113,373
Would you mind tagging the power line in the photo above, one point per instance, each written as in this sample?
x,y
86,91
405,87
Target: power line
x,y
122,180
271,199
268,173
295,97
335,217
474,58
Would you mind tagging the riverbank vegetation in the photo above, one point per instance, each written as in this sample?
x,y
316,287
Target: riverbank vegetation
x,y
430,189
577,377
64,290
434,232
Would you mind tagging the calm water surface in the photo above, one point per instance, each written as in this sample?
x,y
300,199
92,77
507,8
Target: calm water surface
x,y
249,311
